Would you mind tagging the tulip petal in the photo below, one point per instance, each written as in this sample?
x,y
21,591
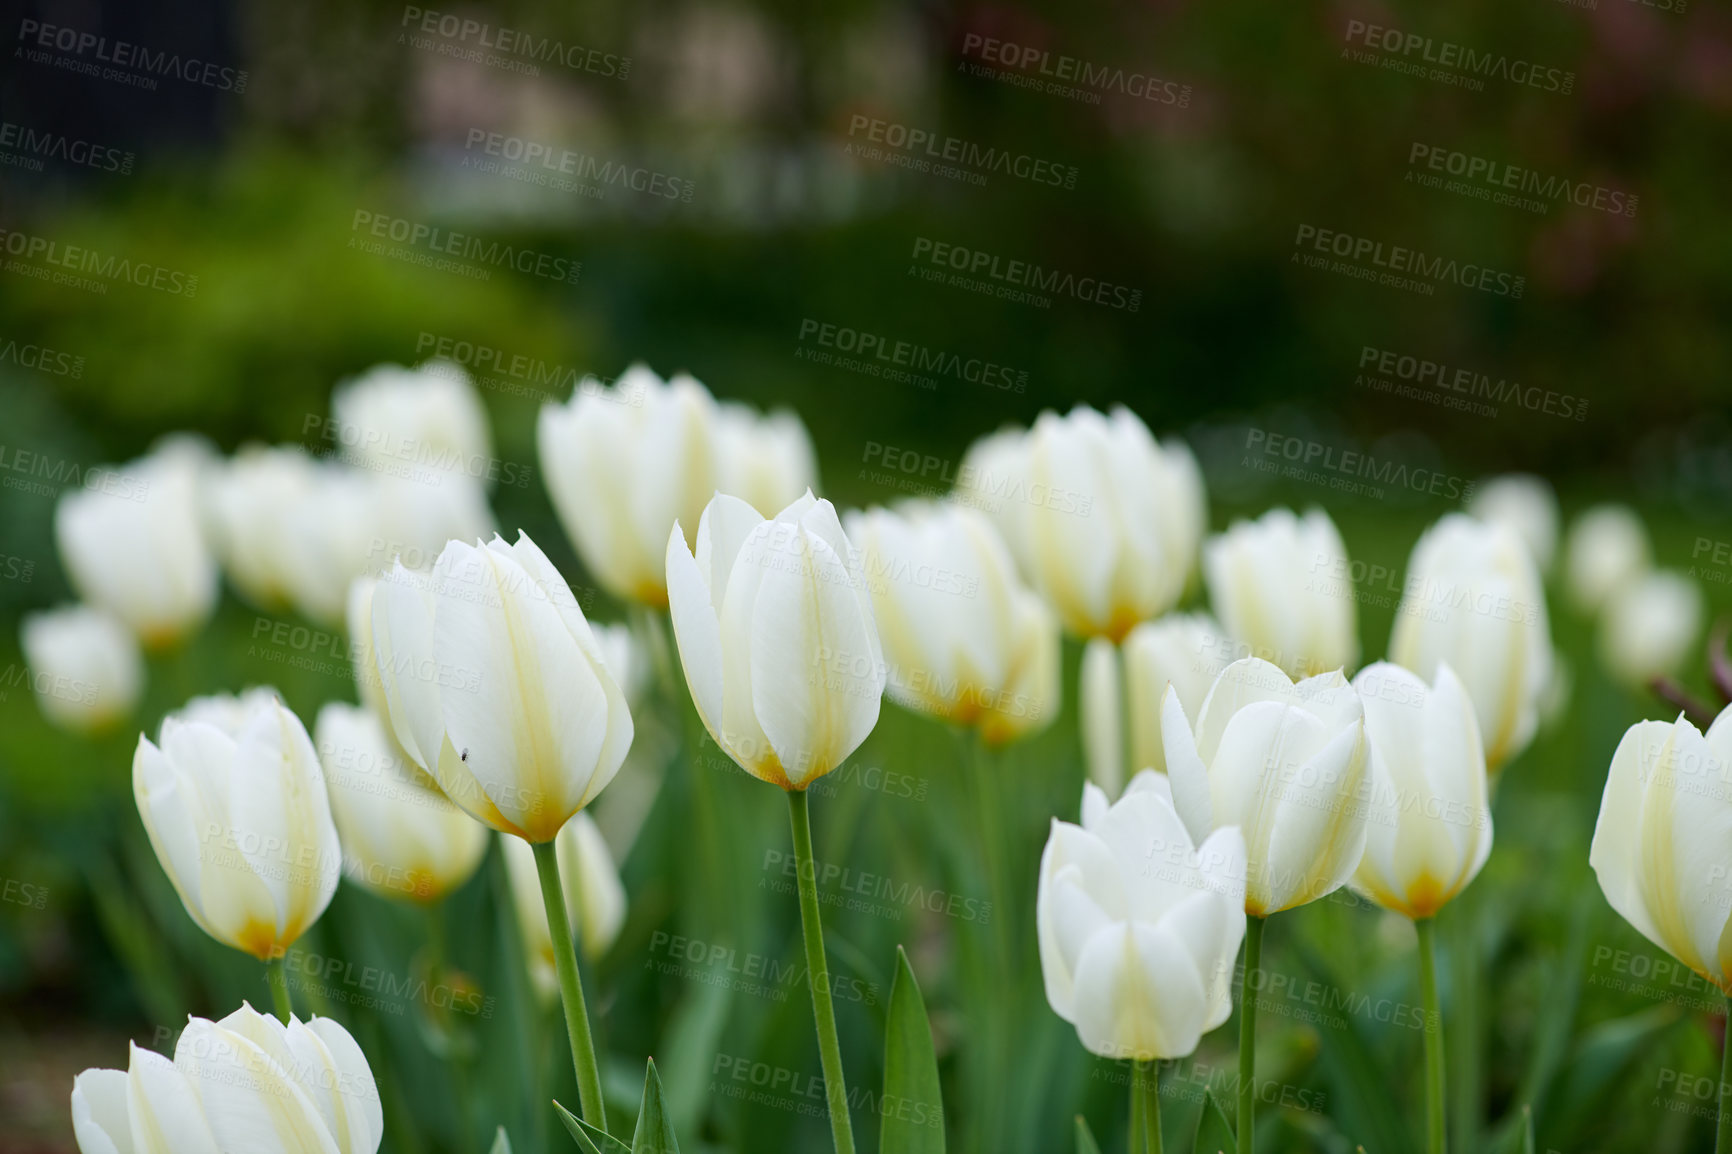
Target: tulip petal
x,y
1139,993
167,1117
1186,773
1244,682
696,629
402,623
249,1100
100,1121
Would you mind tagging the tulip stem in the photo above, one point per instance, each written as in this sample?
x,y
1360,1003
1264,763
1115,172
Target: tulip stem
x,y
1147,1085
1723,1124
818,975
1434,1141
277,978
1247,1137
570,986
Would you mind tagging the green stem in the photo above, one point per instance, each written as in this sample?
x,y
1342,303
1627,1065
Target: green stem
x,y
1148,1078
278,979
1134,1144
1723,1125
1434,1140
570,986
1248,1035
818,975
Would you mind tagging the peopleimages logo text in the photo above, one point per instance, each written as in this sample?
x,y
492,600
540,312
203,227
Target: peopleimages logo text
x,y
1365,252
124,55
928,145
1459,59
1021,274
1028,59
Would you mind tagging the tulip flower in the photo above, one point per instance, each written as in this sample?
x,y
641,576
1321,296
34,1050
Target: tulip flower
x,y
430,417
132,544
1608,548
1659,851
776,635
1428,828
248,1082
84,666
1473,599
1138,927
1525,503
237,813
401,837
1184,650
594,897
766,461
622,465
1649,626
1283,587
964,639
526,738
1285,762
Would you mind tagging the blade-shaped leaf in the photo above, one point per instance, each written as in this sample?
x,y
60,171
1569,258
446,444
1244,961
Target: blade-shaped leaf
x,y
501,1144
655,1130
1085,1139
912,1106
1214,1134
591,1140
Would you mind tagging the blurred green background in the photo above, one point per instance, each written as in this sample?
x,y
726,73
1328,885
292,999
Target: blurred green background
x,y
256,193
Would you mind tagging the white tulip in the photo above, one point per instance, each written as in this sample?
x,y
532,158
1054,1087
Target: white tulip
x,y
776,636
594,897
540,726
1659,847
248,1082
964,639
429,417
84,666
1608,548
1104,520
133,545
240,821
1473,599
1649,627
766,461
1100,696
1428,816
622,465
1184,650
1283,587
1285,763
1525,503
401,837
410,520
358,619
1139,927
228,712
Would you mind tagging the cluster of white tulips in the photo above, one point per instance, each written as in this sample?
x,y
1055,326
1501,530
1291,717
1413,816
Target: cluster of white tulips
x,y
1238,765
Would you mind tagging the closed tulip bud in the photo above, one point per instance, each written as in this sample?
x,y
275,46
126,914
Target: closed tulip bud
x,y
622,465
1428,819
1184,650
1473,599
248,1082
1285,763
1103,520
965,640
84,666
236,810
1138,926
776,636
401,837
1525,503
1283,587
132,544
594,897
1608,549
494,685
428,417
766,461
358,619
1649,627
1659,847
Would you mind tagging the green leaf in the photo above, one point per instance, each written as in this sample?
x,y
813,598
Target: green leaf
x,y
913,1105
691,1042
1214,1133
655,1131
501,1144
1085,1139
1527,1130
591,1140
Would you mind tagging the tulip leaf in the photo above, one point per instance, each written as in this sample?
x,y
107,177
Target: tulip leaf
x,y
1527,1130
912,1106
501,1143
655,1131
1214,1134
694,1031
591,1140
1085,1139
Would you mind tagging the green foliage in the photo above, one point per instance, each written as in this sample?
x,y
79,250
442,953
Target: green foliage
x,y
913,1105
